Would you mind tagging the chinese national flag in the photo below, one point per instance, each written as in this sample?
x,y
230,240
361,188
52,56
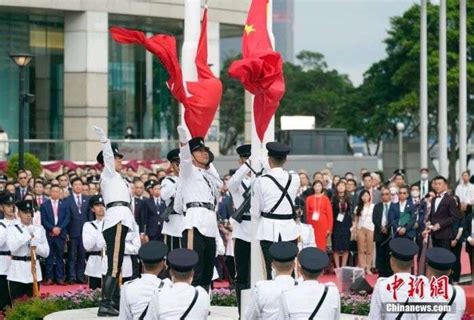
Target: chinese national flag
x,y
205,94
261,68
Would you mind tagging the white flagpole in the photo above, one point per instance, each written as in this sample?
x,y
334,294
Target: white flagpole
x,y
462,88
423,88
443,94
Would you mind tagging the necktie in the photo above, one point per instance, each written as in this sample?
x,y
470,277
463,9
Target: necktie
x,y
78,204
22,193
385,209
156,202
55,211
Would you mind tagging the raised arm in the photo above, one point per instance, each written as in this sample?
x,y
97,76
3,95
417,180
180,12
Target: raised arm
x,y
109,161
237,177
186,160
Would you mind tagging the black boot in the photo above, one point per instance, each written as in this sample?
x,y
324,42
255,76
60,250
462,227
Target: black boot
x,y
116,296
106,308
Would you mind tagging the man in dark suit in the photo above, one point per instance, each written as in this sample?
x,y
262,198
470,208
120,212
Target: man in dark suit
x,y
468,233
424,183
382,233
443,214
78,208
368,185
151,211
55,219
137,204
402,216
23,187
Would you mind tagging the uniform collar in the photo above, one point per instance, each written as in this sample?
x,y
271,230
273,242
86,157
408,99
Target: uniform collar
x,y
150,277
277,169
181,285
309,283
284,278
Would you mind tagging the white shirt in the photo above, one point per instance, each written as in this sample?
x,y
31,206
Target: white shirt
x,y
241,230
132,245
265,302
465,192
55,206
199,185
424,188
381,295
365,219
18,241
300,301
93,240
438,200
5,260
175,226
135,295
385,213
171,303
265,195
115,188
458,306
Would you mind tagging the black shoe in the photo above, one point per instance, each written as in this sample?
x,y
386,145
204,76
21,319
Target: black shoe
x,y
106,308
116,297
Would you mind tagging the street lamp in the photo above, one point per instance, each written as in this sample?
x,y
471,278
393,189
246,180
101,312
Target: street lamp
x,y
400,128
22,60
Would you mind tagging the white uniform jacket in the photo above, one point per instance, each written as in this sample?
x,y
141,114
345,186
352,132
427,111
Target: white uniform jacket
x,y
241,230
5,256
132,245
18,241
94,242
175,226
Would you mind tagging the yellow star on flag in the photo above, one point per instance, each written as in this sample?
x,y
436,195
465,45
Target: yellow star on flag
x,y
249,28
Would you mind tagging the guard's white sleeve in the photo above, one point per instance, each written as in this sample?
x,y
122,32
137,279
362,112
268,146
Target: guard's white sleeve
x,y
125,312
132,246
214,175
253,311
152,313
15,239
3,235
42,248
237,177
178,200
89,237
168,189
375,312
109,160
186,162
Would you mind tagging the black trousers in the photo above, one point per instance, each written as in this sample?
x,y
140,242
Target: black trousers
x,y
456,250
136,270
19,289
205,247
442,243
173,242
95,283
4,295
115,241
242,268
382,259
265,245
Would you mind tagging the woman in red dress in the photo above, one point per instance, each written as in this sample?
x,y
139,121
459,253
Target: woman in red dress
x,y
319,215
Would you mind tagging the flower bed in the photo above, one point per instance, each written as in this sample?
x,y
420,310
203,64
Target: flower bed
x,y
37,308
223,298
355,304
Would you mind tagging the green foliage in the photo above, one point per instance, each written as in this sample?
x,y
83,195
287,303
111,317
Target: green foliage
x,y
32,163
38,308
224,298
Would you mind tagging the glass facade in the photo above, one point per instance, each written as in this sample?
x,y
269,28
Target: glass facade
x,y
43,37
138,96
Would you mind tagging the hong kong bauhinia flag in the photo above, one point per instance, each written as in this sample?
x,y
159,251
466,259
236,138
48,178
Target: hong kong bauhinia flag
x,y
261,68
205,94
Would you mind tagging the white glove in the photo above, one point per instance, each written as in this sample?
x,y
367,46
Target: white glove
x,y
34,242
100,133
183,134
31,229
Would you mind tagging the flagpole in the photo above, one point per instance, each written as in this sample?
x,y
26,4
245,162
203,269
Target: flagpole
x,y
462,88
192,28
443,95
423,89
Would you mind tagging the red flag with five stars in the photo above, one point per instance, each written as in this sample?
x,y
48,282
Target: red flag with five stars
x,y
261,68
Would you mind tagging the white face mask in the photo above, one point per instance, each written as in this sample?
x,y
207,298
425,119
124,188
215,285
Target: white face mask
x,y
424,176
415,194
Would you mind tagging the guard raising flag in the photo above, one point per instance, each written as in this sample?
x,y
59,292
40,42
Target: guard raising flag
x,y
272,202
118,220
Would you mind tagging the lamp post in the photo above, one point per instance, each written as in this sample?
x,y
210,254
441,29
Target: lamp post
x,y
22,60
400,128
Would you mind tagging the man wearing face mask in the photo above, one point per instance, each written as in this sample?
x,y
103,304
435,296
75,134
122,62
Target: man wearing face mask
x,y
424,183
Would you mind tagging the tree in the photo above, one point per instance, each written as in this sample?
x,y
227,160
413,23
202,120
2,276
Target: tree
x,y
390,91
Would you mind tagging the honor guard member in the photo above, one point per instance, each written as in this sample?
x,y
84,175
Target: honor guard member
x,y
118,220
7,204
136,294
181,300
273,198
173,221
439,264
265,302
239,188
312,299
94,243
200,185
401,261
23,239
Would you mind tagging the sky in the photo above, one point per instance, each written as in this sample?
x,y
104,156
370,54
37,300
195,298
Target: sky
x,y
349,33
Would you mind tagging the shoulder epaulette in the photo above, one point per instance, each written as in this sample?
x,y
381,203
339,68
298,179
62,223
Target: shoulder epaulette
x,y
3,225
18,227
